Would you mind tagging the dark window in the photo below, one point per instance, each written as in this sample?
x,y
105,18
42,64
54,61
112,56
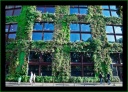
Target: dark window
x,y
47,57
76,71
114,71
34,69
78,9
46,70
33,56
109,10
75,57
114,57
87,57
82,64
89,71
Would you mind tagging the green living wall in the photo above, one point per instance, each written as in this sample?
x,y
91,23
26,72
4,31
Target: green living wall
x,y
17,51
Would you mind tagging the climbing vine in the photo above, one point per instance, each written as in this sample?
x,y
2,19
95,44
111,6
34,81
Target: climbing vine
x,y
60,47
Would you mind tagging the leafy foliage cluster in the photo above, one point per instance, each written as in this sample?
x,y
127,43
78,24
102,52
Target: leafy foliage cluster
x,y
17,51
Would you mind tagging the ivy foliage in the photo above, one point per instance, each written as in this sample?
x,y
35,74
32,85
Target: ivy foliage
x,y
61,46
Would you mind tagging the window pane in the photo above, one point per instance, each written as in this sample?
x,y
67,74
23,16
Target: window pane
x,y
37,36
73,5
85,27
50,9
34,56
86,37
115,71
121,58
47,57
48,36
17,12
105,7
118,29
48,26
110,38
13,28
74,37
9,12
106,13
119,39
87,57
75,57
113,7
83,11
88,71
76,71
37,26
17,6
9,6
74,27
34,69
114,14
46,70
40,9
82,5
12,36
6,28
109,29
73,10
114,57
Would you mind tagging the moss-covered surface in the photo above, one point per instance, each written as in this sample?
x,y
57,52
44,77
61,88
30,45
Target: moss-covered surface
x,y
17,51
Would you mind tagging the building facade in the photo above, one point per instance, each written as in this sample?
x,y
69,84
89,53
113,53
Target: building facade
x,y
72,40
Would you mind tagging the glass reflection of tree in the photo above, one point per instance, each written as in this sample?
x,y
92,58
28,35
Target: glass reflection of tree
x,y
75,57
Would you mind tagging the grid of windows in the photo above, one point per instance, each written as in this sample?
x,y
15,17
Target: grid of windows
x,y
78,9
43,31
114,33
109,10
10,31
13,10
80,32
81,64
46,9
40,63
117,64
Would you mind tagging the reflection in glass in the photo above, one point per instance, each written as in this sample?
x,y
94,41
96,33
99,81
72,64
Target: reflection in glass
x,y
83,11
74,27
6,28
118,29
34,69
110,38
50,9
114,57
88,71
47,57
37,26
9,12
17,12
86,37
109,29
113,7
74,37
46,70
13,28
106,13
48,26
114,14
114,71
12,36
105,7
48,36
73,10
85,27
119,39
37,36
40,9
76,71
75,57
